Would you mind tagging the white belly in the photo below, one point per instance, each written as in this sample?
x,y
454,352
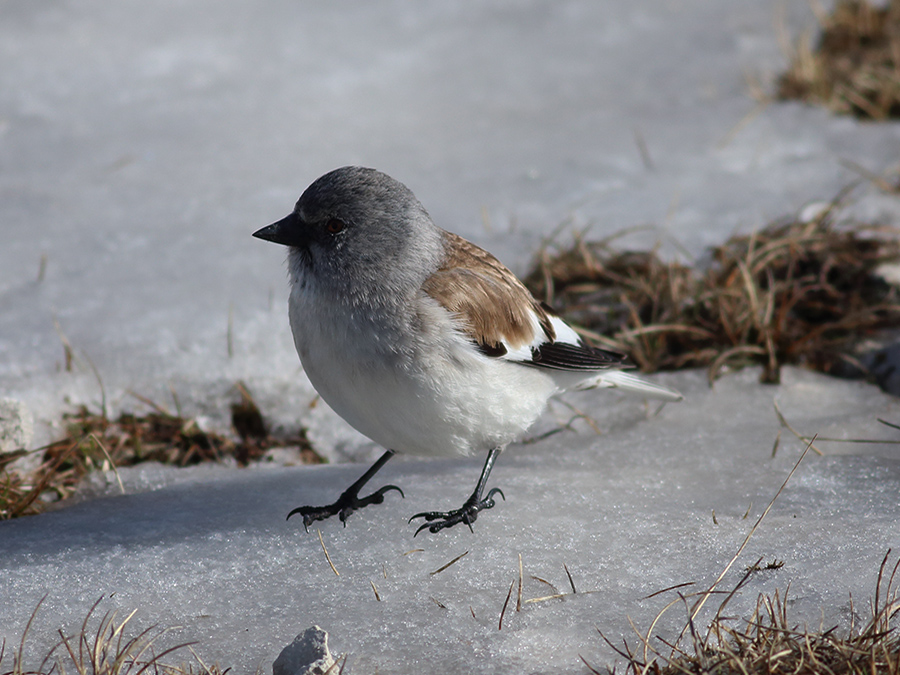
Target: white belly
x,y
444,400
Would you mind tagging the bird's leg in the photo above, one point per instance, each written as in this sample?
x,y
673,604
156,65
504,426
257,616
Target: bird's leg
x,y
435,521
349,501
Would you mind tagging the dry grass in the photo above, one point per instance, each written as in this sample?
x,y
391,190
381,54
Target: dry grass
x,y
95,442
796,292
770,643
104,649
854,67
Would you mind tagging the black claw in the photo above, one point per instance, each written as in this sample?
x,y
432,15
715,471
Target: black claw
x,y
425,514
467,514
380,494
349,501
423,527
490,496
346,504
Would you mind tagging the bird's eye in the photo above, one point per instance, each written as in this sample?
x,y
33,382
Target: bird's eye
x,y
334,225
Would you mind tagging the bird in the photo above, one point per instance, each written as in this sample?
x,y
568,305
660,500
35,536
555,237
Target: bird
x,y
421,340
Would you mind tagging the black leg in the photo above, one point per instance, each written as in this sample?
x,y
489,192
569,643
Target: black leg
x,y
468,513
349,501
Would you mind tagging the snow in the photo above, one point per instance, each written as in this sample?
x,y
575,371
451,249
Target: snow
x,y
663,500
142,143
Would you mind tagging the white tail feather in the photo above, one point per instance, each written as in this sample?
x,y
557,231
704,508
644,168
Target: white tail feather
x,y
620,379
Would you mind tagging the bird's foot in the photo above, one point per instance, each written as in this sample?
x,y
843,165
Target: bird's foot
x,y
435,521
346,504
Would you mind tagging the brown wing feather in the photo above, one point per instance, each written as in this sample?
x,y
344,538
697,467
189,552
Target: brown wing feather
x,y
491,303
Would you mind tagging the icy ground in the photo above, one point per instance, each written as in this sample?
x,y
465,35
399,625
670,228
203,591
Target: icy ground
x,y
142,143
656,501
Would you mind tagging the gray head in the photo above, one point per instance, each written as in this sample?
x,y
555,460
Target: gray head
x,y
357,234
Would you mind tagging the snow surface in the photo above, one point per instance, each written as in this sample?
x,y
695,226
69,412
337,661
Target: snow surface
x,y
142,142
660,500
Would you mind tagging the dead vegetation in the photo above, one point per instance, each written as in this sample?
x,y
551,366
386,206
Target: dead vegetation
x,y
769,642
105,649
854,66
95,442
796,292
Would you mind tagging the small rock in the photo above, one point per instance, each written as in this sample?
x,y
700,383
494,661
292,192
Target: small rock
x,y
16,426
307,655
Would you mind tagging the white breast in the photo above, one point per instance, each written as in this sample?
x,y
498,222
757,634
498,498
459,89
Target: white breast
x,y
437,396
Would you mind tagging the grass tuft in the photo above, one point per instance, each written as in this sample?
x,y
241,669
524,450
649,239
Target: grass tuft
x,y
95,442
769,642
105,649
854,67
796,292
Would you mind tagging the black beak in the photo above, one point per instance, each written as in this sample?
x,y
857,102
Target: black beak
x,y
288,232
